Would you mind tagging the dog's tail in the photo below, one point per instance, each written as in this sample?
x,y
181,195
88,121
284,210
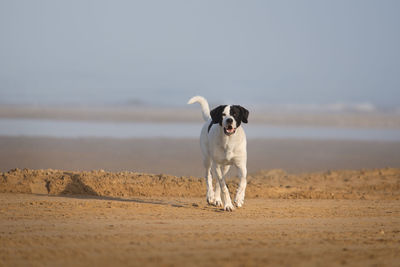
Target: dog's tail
x,y
205,108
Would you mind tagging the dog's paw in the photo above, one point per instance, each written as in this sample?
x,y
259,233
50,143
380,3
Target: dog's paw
x,y
239,199
211,200
239,202
218,202
229,207
210,197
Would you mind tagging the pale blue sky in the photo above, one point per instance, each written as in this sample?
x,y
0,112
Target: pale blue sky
x,y
262,52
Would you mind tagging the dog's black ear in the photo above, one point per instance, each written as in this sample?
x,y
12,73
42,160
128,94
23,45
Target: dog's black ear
x,y
245,114
216,114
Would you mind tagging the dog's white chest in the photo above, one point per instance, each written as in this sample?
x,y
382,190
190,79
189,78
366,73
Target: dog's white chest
x,y
224,154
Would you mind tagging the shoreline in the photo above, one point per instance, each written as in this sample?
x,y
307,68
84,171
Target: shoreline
x,y
380,120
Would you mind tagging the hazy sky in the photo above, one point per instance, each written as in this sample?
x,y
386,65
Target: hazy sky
x,y
272,52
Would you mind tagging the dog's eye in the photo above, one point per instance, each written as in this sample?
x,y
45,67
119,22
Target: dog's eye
x,y
223,114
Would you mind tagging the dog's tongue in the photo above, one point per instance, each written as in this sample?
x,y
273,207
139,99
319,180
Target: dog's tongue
x,y
230,130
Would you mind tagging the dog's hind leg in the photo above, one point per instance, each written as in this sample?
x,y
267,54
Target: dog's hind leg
x,y
217,194
210,192
219,171
239,198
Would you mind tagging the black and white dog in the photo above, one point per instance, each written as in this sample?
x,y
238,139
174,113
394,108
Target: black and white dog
x,y
223,143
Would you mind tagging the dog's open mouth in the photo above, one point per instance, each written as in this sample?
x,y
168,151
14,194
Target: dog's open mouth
x,y
229,130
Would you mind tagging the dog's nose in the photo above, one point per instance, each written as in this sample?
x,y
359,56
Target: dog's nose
x,y
229,120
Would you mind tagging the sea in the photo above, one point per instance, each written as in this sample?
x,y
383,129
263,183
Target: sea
x,y
89,129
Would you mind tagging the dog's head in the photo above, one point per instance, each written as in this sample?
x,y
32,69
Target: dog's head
x,y
229,117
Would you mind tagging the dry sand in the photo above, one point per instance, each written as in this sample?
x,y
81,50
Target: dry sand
x,y
378,184
100,219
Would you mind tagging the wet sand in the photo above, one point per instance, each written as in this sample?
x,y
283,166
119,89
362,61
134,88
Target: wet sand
x,y
183,156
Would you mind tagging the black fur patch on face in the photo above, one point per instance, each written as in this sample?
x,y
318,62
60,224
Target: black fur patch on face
x,y
216,114
240,114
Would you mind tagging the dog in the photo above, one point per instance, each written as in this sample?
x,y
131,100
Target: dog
x,y
223,143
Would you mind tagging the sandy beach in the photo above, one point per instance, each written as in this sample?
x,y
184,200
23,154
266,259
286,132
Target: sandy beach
x,y
98,218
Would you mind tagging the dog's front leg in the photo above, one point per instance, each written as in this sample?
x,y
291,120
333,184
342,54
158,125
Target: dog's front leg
x,y
225,192
239,198
217,194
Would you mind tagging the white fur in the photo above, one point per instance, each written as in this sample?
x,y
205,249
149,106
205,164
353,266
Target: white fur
x,y
220,151
204,106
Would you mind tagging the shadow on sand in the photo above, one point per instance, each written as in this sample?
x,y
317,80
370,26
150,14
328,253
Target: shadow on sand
x,y
77,189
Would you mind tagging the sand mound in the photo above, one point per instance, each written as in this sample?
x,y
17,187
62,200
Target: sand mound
x,y
344,184
361,184
98,183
